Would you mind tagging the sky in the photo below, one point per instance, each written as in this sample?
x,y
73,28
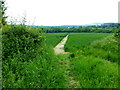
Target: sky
x,y
63,12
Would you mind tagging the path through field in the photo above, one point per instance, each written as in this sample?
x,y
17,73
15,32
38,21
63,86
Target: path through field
x,y
59,49
65,67
65,64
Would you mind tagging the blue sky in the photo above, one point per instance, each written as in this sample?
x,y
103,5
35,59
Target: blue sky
x,y
63,12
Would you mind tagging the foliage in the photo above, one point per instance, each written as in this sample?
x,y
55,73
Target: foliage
x,y
27,61
104,28
95,64
117,33
19,39
41,72
106,48
2,13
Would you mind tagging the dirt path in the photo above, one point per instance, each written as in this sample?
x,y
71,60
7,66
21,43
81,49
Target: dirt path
x,y
65,64
59,49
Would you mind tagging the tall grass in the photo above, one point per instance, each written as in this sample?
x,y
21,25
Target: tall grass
x,y
93,72
106,48
95,66
27,61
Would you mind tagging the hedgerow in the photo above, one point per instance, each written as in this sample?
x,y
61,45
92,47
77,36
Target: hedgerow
x,y
18,39
27,61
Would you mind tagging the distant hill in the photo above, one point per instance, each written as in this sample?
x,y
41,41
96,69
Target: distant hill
x,y
69,26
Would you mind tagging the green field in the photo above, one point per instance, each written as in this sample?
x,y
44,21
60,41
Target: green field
x,y
77,41
93,60
52,39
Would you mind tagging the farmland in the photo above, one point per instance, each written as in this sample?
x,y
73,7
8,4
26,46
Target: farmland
x,y
78,41
93,61
89,58
53,39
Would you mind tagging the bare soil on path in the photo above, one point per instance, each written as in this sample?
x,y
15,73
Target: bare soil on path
x,y
59,49
65,63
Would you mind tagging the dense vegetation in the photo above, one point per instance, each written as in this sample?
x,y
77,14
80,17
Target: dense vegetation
x,y
28,59
93,63
27,62
96,65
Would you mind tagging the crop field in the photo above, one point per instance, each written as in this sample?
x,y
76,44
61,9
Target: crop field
x,y
53,39
77,41
93,60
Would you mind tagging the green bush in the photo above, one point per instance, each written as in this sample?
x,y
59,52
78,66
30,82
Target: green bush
x,y
108,43
43,71
17,39
27,62
106,48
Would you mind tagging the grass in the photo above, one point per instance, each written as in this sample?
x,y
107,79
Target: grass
x,y
52,39
30,63
77,41
94,72
106,49
34,74
92,62
89,63
95,65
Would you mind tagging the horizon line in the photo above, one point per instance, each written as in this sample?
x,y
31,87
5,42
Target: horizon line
x,y
77,24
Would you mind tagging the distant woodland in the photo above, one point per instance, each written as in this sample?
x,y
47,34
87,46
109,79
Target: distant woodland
x,y
103,28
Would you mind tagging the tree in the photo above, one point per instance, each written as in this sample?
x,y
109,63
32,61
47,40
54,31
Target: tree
x,y
2,13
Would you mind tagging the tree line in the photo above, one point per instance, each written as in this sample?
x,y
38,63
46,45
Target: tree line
x,y
104,28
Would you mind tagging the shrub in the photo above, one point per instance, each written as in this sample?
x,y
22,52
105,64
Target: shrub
x,y
43,71
27,62
20,40
106,48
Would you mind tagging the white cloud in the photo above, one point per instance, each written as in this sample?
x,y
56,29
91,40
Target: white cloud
x,y
65,12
